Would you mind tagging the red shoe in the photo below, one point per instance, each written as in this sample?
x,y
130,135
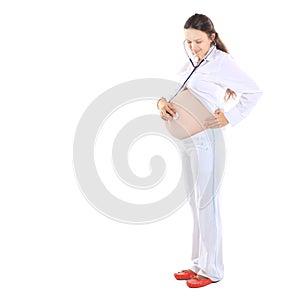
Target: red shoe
x,y
185,275
198,281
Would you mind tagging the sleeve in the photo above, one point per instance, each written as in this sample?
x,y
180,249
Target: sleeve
x,y
232,77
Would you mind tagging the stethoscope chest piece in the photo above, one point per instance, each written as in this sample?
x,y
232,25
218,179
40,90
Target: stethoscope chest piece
x,y
176,116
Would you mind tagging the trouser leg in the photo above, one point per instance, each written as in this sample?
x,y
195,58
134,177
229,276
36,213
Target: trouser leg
x,y
203,167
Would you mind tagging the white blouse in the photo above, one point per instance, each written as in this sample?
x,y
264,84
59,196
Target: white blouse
x,y
211,79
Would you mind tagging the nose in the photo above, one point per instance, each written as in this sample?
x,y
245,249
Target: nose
x,y
194,47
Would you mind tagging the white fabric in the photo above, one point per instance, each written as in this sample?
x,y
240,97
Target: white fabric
x,y
203,157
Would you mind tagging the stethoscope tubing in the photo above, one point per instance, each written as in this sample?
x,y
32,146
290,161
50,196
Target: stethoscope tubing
x,y
195,68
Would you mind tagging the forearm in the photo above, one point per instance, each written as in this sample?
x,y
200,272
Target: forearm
x,y
242,109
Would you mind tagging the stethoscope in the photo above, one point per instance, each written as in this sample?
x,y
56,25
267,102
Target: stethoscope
x,y
195,68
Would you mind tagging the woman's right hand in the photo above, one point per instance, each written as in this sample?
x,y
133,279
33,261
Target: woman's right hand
x,y
166,109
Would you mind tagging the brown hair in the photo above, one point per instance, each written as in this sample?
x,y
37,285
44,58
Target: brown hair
x,y
203,23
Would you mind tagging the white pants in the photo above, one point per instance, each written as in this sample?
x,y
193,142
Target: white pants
x,y
203,158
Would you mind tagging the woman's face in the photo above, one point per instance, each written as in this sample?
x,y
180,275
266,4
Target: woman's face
x,y
198,41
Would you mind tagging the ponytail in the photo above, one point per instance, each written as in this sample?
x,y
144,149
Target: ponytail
x,y
219,44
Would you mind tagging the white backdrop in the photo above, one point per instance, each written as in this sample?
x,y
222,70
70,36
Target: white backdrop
x,y
56,58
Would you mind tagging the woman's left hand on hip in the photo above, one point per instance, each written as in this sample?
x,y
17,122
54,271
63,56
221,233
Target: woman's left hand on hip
x,y
218,120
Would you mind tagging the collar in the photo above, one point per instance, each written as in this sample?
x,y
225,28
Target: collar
x,y
211,53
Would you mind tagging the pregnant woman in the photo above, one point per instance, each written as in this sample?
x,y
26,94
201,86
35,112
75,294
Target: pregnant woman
x,y
217,78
